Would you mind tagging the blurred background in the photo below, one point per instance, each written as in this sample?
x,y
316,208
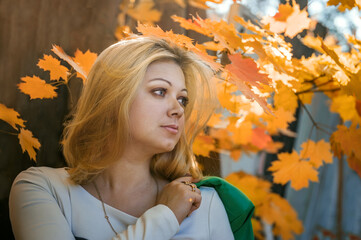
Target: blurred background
x,y
328,209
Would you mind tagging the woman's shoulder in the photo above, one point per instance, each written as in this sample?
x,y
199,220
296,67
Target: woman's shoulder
x,y
43,176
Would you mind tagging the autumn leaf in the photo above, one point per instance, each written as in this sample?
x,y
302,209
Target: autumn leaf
x,y
11,116
241,77
28,143
225,34
316,152
346,107
348,141
60,53
85,61
344,4
144,12
202,3
289,167
203,145
190,25
290,20
285,98
246,70
122,32
241,133
178,39
57,71
280,120
235,154
260,138
37,88
269,207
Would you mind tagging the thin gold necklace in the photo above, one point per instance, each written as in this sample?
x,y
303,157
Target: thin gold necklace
x,y
105,213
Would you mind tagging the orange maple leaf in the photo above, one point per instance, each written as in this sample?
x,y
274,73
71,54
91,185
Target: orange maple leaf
x,y
246,70
316,152
37,88
244,75
241,133
269,207
191,25
60,53
51,64
28,143
285,98
289,167
260,138
349,74
344,4
346,107
11,116
222,32
279,120
203,145
235,154
348,141
180,40
85,61
290,20
144,12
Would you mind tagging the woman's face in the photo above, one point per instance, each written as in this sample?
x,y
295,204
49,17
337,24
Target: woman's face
x,y
156,115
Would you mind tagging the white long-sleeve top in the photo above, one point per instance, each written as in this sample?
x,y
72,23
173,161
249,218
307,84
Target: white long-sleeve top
x,y
45,204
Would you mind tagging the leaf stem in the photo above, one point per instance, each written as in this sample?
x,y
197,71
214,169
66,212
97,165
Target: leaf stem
x,y
314,88
312,120
10,133
71,96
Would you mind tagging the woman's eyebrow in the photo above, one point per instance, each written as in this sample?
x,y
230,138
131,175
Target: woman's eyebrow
x,y
170,84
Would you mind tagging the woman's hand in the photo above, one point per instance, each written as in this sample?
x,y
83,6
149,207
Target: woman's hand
x,y
180,198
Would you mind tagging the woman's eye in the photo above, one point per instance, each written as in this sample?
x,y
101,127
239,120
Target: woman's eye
x,y
183,101
160,91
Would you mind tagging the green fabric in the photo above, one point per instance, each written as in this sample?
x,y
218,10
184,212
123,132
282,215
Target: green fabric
x,y
238,207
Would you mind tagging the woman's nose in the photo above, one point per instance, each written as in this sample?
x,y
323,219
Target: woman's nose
x,y
175,109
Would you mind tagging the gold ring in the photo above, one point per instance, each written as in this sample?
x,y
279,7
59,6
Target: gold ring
x,y
193,187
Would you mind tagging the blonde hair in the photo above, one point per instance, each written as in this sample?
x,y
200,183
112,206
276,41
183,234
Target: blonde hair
x,y
95,137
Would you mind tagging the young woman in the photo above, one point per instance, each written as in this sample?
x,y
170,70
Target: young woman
x,y
131,168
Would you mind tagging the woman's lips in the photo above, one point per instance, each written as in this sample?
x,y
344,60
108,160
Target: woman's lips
x,y
171,128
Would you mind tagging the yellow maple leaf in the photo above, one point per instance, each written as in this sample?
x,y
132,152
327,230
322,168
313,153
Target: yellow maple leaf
x,y
235,154
348,141
222,32
289,19
28,143
285,98
257,229
289,167
11,116
144,12
316,152
260,138
180,40
122,32
37,88
285,218
60,53
203,145
280,120
242,132
344,4
191,25
51,64
85,61
346,107
269,207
